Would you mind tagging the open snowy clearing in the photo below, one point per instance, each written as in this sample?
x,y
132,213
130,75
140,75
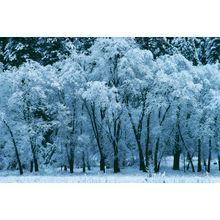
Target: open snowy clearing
x,y
126,176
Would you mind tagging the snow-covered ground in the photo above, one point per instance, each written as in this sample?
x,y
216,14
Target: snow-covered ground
x,y
128,175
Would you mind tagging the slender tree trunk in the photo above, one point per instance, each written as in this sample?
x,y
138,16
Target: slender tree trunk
x,y
140,152
15,147
137,133
177,150
199,167
96,132
156,167
161,121
184,163
31,166
190,162
71,166
33,150
219,162
102,164
70,156
141,157
83,162
176,161
210,156
189,158
87,161
116,165
36,169
116,160
147,142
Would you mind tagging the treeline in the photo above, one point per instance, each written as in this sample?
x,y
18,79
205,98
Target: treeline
x,y
14,51
112,102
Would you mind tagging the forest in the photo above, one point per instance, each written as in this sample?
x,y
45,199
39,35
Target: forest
x,y
109,103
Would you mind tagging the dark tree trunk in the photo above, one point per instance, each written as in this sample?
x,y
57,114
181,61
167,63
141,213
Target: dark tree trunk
x,y
177,150
156,167
141,157
184,163
116,160
88,165
176,161
31,166
210,156
102,163
161,121
33,150
116,165
15,147
176,153
71,161
137,133
199,167
97,135
70,155
147,142
190,162
71,166
218,162
187,168
189,158
83,162
36,169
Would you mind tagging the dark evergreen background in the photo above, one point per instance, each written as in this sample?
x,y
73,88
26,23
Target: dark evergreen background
x,y
46,50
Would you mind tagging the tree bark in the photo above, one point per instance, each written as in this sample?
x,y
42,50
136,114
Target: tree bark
x,y
83,162
199,167
147,142
33,150
31,166
87,161
156,166
116,165
187,150
116,160
71,166
70,156
137,133
161,119
102,164
176,153
209,156
177,150
15,147
190,162
92,116
219,163
141,157
138,141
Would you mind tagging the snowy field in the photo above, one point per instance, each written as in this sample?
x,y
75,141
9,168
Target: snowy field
x,y
129,175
